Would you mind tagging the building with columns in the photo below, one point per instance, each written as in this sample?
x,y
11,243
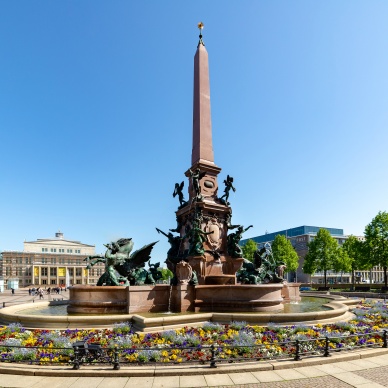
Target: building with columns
x,y
50,262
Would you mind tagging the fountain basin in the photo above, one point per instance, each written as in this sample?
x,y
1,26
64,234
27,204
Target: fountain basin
x,y
239,297
338,310
220,279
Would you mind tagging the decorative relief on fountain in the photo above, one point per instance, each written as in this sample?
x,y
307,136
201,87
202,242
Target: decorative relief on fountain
x,y
184,272
216,232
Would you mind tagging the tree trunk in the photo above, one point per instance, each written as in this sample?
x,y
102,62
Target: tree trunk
x,y
353,281
385,277
324,274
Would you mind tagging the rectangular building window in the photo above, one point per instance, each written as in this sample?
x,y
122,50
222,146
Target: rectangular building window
x,y
69,251
53,272
44,271
78,272
53,249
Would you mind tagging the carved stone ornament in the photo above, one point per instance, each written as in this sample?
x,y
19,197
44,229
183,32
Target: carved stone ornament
x,y
184,272
214,239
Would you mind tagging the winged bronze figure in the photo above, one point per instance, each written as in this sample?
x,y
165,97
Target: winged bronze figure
x,y
118,258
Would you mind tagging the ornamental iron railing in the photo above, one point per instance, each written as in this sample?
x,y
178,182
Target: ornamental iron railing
x,y
93,353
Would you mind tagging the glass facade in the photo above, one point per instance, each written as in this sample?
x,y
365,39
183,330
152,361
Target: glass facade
x,y
293,232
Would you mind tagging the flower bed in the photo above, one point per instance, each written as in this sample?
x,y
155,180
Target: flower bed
x,y
234,341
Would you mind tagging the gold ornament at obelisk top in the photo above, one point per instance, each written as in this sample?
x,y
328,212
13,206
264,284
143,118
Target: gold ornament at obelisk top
x,y
200,27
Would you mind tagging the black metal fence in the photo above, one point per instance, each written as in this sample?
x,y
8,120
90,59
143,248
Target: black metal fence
x,y
93,353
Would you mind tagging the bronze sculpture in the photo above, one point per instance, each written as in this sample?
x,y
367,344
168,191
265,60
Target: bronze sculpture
x,y
118,258
196,238
175,242
228,185
234,249
263,269
178,192
196,176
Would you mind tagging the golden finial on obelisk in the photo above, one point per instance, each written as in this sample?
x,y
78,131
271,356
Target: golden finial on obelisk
x,y
200,27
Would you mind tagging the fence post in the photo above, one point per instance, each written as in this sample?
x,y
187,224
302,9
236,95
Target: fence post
x,y
326,353
297,351
116,361
385,344
213,357
76,358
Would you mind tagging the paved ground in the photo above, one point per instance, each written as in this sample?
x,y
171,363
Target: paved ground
x,y
22,296
371,372
368,373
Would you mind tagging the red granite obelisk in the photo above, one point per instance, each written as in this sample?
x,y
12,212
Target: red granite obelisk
x,y
205,208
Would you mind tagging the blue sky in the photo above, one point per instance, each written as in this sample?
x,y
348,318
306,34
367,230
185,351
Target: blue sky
x,y
96,114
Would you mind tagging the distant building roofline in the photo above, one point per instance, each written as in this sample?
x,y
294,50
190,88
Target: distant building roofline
x,y
293,232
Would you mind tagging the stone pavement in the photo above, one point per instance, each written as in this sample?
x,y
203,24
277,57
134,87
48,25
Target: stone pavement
x,y
369,372
22,296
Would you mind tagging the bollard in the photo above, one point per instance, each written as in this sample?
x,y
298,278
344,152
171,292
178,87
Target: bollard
x,y
385,345
326,353
76,358
297,351
213,357
116,361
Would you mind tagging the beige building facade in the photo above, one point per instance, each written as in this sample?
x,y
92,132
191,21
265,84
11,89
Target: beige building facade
x,y
50,262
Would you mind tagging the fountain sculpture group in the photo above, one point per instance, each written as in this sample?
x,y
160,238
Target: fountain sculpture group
x,y
204,253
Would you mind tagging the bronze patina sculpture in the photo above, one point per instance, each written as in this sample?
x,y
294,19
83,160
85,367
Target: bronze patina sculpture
x,y
175,243
118,258
196,238
196,176
178,192
263,269
228,185
234,249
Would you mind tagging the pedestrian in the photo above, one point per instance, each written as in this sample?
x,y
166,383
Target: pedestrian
x,y
13,291
40,294
29,291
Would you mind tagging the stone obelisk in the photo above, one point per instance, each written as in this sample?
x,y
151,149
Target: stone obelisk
x,y
204,220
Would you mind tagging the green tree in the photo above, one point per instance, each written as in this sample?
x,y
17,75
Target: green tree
x,y
166,274
376,242
249,249
283,251
342,262
355,252
322,255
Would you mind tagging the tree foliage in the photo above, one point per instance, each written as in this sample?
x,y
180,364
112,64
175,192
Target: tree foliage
x,y
355,251
249,249
376,241
322,254
166,274
283,251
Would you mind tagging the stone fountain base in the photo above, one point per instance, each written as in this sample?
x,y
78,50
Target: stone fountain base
x,y
181,298
241,298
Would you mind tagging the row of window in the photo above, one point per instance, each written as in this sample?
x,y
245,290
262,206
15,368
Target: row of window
x,y
61,250
44,260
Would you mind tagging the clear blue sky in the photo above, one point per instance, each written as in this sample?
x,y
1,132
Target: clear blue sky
x,y
96,114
